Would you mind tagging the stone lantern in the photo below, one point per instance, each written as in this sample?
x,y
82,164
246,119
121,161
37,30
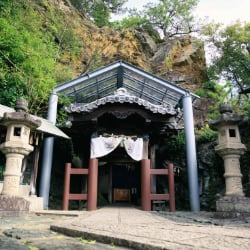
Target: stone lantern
x,y
16,146
230,149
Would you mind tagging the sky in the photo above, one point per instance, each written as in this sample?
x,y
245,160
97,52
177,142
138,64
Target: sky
x,y
223,11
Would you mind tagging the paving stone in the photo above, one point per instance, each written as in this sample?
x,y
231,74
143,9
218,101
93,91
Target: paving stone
x,y
33,232
124,228
137,229
8,244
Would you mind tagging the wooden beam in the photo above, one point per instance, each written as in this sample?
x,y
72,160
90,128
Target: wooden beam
x,y
159,197
159,171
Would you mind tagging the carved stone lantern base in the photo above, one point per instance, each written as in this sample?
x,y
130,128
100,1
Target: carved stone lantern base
x,y
13,206
18,206
233,206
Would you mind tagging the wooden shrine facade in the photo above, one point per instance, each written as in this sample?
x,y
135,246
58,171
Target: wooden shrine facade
x,y
120,121
117,116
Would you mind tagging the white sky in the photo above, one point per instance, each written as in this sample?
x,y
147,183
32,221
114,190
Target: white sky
x,y
223,11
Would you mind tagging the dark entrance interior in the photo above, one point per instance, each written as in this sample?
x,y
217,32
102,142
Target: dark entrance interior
x,y
126,177
119,179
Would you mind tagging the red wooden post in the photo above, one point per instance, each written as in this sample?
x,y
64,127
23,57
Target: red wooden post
x,y
66,186
145,185
171,187
92,184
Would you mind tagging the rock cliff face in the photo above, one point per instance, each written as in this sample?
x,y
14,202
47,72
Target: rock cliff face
x,y
179,60
182,61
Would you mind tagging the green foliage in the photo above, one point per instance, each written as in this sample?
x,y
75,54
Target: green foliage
x,y
230,47
129,22
203,135
27,58
179,142
210,29
101,14
219,93
171,17
245,104
206,134
169,63
61,113
86,241
2,165
1,172
200,92
209,89
114,6
30,51
233,61
209,85
99,11
135,21
167,17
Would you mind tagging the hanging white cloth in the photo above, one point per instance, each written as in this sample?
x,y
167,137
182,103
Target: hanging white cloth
x,y
102,146
134,148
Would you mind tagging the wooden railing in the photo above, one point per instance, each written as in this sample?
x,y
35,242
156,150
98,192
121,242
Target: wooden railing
x,y
147,197
171,193
67,196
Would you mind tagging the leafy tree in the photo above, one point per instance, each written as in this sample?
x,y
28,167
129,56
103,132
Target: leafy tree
x,y
98,10
171,17
231,58
134,21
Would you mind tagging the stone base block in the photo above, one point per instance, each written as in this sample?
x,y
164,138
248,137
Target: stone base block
x,y
36,203
18,206
13,205
233,205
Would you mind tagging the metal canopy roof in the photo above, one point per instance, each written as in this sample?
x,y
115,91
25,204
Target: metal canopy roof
x,y
105,81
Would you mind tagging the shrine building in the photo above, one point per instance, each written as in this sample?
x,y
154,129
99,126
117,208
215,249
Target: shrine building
x,y
117,117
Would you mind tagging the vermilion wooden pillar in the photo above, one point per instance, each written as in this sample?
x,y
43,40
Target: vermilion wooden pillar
x,y
92,184
171,187
145,185
66,186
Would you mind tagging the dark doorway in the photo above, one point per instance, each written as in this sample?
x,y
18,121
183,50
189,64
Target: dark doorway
x,y
119,183
126,179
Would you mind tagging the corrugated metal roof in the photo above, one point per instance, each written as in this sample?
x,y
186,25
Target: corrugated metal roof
x,y
105,81
47,127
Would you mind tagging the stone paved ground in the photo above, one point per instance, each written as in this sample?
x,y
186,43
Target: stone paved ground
x,y
136,229
129,227
33,232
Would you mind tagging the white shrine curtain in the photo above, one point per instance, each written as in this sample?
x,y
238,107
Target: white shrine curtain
x,y
102,146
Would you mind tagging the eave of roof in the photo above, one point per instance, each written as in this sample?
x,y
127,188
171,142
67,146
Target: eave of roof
x,y
121,96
